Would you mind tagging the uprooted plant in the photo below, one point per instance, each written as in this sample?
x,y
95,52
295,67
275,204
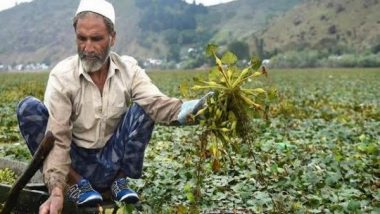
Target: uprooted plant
x,y
226,119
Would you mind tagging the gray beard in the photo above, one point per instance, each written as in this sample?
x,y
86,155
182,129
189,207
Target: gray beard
x,y
91,66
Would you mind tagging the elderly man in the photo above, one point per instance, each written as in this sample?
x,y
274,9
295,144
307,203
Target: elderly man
x,y
101,108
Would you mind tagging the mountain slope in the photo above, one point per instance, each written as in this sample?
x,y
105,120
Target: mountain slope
x,y
36,32
241,19
335,25
41,31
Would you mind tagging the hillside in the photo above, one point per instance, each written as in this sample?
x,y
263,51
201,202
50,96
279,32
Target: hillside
x,y
41,31
36,32
241,19
338,26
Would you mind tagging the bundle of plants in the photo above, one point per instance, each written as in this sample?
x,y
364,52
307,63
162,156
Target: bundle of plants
x,y
236,100
226,118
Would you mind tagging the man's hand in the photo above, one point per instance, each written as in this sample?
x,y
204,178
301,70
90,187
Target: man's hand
x,y
191,107
54,204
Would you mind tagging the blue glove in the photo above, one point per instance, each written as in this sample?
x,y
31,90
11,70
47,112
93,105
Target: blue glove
x,y
191,107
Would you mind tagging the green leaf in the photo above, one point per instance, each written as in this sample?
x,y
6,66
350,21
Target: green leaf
x,y
250,102
255,63
372,149
229,73
333,178
362,137
241,78
197,79
187,187
126,208
190,197
214,150
219,64
258,90
231,117
211,83
229,58
184,89
256,74
214,74
7,176
200,87
274,168
272,93
353,205
218,113
225,130
211,49
201,111
224,136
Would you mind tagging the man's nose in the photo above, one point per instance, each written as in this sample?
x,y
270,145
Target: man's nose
x,y
89,46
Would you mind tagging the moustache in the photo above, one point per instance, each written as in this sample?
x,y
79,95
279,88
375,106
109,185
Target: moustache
x,y
89,56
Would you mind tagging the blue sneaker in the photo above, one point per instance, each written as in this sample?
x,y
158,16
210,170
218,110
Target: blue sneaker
x,y
122,193
82,194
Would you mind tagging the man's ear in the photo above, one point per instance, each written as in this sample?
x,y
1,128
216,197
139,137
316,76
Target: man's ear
x,y
113,38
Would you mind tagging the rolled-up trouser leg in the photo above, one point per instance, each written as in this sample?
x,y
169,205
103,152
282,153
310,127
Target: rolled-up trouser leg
x,y
135,132
123,151
32,117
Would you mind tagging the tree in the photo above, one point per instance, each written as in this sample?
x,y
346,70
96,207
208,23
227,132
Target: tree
x,y
376,49
174,53
259,47
241,49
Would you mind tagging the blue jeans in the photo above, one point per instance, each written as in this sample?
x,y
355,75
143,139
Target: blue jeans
x,y
124,150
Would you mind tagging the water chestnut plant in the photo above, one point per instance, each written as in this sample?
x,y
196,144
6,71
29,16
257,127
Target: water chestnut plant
x,y
226,117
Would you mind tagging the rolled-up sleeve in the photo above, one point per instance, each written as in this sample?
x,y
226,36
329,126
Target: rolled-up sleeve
x,y
57,100
158,106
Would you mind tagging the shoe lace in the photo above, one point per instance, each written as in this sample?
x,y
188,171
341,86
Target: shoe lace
x,y
86,188
119,185
75,190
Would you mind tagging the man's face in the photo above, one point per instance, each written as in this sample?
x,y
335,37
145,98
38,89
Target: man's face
x,y
93,42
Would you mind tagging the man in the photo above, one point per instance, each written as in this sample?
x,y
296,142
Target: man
x,y
101,108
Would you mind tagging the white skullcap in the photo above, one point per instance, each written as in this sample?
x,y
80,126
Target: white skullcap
x,y
101,7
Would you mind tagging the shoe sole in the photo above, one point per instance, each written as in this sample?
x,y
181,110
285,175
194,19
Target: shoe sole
x,y
92,200
130,198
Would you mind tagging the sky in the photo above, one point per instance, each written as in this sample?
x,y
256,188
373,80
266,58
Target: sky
x,y
5,4
209,2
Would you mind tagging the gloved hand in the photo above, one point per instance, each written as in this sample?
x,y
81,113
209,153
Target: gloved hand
x,y
191,107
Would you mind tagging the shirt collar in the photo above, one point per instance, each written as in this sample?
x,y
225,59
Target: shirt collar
x,y
113,67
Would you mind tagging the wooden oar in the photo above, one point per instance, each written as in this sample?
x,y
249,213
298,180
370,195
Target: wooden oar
x,y
38,158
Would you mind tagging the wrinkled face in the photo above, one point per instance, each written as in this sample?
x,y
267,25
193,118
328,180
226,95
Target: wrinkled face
x,y
93,42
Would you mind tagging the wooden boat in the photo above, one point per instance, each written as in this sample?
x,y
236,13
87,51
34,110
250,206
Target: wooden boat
x,y
35,193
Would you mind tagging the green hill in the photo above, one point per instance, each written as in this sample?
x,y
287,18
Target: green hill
x,y
338,26
242,19
41,31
